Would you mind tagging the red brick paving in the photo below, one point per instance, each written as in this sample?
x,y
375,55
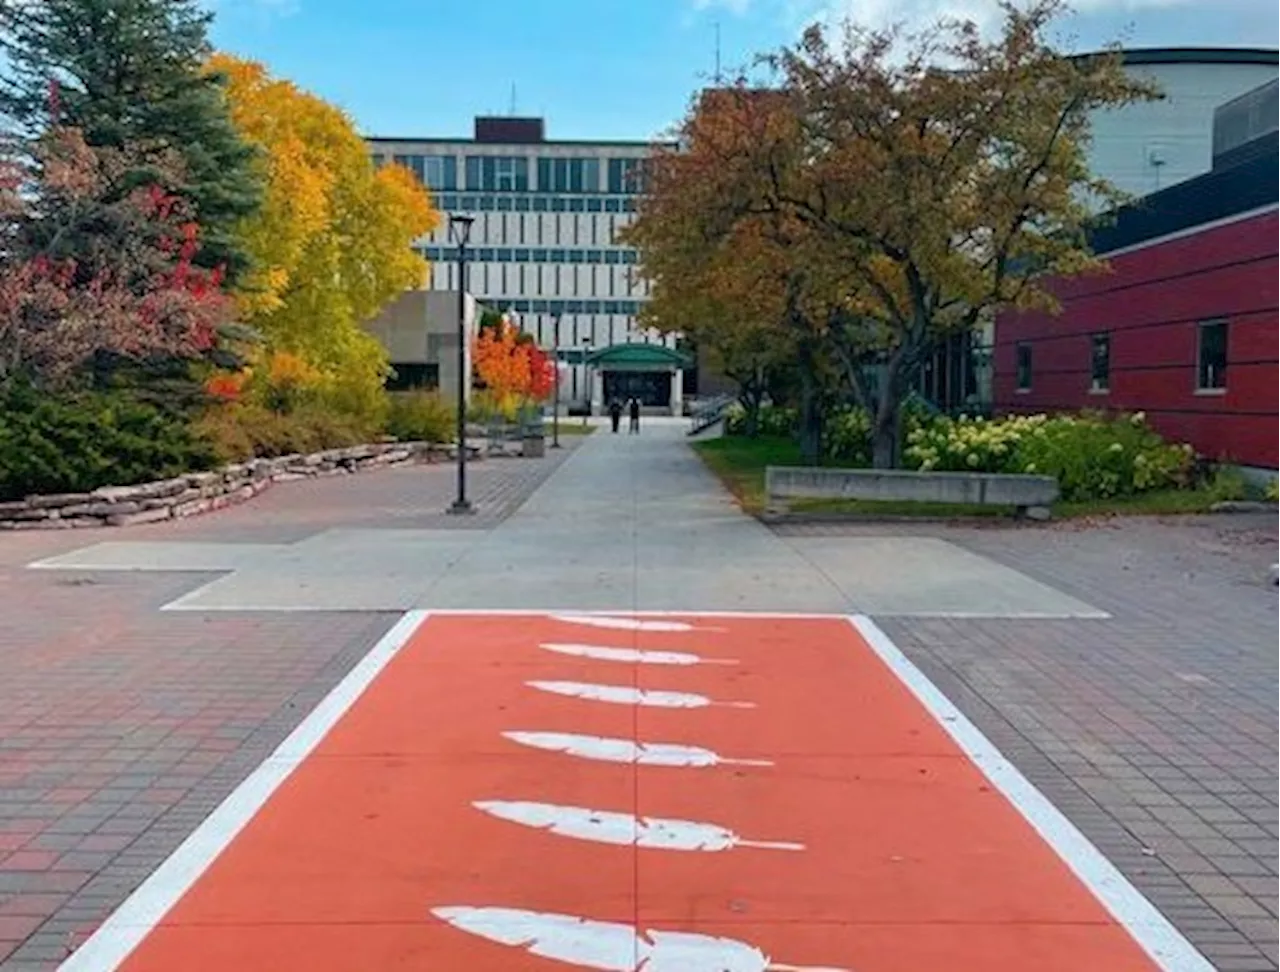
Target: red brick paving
x,y
1154,731
121,727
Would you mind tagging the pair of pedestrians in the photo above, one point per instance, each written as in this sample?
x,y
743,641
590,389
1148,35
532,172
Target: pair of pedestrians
x,y
633,413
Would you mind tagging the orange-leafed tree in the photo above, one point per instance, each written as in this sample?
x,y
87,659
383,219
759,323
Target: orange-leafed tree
x,y
911,185
750,290
542,374
512,368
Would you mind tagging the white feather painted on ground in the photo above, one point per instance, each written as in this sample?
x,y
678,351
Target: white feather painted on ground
x,y
613,827
628,695
636,655
623,624
607,750
612,947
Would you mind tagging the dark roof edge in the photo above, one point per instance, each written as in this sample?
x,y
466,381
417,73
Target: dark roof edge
x,y
600,142
1214,196
1192,55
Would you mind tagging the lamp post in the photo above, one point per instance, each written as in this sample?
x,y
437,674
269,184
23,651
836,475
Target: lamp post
x,y
460,233
586,377
555,402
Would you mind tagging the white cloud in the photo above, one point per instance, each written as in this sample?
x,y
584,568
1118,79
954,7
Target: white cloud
x,y
260,8
738,7
1088,17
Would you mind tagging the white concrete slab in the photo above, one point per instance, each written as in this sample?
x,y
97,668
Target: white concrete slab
x,y
158,555
926,576
627,523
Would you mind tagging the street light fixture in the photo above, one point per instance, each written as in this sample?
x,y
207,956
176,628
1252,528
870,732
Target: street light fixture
x,y
460,233
586,377
555,402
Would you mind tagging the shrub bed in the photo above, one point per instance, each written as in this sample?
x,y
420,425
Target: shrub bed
x,y
194,493
421,416
1093,456
79,442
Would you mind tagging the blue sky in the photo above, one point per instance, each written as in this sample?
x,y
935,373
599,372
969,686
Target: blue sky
x,y
609,68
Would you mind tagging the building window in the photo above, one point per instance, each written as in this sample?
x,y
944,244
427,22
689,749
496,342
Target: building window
x,y
498,173
569,175
441,171
1211,357
1024,367
1100,363
626,175
433,171
407,376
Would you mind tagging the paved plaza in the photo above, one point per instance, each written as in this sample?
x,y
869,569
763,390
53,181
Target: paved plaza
x,y
1126,670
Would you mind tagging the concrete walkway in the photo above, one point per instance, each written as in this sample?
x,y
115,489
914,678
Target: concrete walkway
x,y
1153,731
627,523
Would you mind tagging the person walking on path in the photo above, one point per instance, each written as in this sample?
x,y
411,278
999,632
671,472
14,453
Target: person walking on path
x,y
634,411
615,415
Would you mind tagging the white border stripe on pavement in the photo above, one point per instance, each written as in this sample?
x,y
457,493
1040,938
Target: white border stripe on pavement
x,y
1158,938
120,934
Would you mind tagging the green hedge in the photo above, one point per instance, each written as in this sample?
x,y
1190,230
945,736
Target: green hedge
x,y
1092,455
421,417
78,442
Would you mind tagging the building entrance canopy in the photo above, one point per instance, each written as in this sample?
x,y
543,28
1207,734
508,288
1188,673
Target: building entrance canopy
x,y
651,373
639,357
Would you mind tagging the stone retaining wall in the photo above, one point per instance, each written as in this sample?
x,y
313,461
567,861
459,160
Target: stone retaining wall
x,y
201,492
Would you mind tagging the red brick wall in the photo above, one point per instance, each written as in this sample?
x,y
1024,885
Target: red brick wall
x,y
1151,304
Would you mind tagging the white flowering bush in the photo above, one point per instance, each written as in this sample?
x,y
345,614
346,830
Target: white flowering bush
x,y
1091,455
846,437
771,420
846,433
969,444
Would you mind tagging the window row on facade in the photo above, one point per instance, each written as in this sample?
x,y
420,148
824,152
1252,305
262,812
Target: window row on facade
x,y
511,173
524,306
542,279
536,204
502,254
541,230
1211,360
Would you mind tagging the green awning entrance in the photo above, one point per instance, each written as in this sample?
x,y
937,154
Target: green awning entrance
x,y
639,357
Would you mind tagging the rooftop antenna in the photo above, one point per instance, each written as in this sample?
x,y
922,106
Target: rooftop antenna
x,y
513,99
718,77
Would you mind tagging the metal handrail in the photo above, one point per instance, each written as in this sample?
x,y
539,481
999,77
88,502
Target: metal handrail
x,y
707,415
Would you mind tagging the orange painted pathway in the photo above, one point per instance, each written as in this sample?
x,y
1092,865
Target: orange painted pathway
x,y
484,805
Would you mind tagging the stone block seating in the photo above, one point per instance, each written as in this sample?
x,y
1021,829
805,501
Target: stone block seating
x,y
1030,495
201,492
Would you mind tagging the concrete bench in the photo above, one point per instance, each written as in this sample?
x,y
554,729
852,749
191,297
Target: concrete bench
x,y
1030,495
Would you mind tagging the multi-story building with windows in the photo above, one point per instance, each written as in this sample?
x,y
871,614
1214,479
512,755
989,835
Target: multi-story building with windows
x,y
544,247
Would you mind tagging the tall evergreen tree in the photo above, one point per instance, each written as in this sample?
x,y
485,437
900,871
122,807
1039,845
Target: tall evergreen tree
x,y
130,74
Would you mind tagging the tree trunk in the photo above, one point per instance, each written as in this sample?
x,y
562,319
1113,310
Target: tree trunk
x,y
886,420
884,443
810,431
751,402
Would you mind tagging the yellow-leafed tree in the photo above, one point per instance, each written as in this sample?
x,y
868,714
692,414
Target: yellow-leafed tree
x,y
332,242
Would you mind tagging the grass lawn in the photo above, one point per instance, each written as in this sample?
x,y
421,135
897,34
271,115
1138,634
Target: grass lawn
x,y
740,464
